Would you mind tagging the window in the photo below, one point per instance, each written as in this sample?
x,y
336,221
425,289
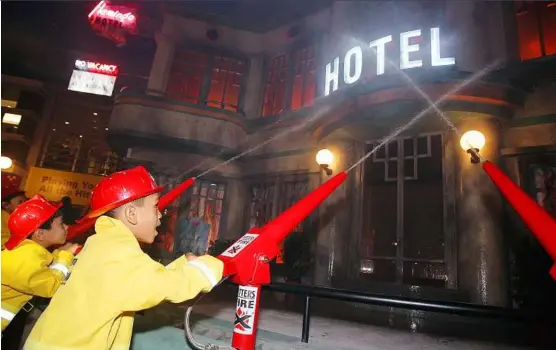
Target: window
x,y
290,86
76,140
193,224
270,198
206,203
401,243
186,77
199,78
303,91
536,26
275,86
225,83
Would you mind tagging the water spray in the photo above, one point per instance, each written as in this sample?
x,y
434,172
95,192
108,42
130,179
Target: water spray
x,y
420,115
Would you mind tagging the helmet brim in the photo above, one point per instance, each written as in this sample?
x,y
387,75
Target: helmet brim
x,y
101,211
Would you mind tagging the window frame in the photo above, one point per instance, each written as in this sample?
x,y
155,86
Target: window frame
x,y
535,8
276,180
289,51
279,198
450,236
188,194
211,54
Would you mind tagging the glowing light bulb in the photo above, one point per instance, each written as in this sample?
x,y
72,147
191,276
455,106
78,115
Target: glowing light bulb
x,y
324,157
472,139
5,163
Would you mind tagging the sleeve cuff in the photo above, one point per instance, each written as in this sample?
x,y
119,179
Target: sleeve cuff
x,y
63,257
60,267
205,270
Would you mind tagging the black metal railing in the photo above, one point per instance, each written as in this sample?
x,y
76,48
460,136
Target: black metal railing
x,y
455,308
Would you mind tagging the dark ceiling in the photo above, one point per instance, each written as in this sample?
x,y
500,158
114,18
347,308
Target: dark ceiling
x,y
252,15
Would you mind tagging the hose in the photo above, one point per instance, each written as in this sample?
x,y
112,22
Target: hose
x,y
189,334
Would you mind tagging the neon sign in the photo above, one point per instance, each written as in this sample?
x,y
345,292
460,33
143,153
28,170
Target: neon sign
x,y
105,15
353,59
94,67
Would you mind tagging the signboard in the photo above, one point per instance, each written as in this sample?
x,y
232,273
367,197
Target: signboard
x,y
93,78
55,184
240,245
245,310
113,21
410,56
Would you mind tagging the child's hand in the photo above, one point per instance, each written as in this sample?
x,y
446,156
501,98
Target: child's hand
x,y
70,247
190,256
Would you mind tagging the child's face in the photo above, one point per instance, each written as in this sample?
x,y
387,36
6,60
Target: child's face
x,y
54,236
148,219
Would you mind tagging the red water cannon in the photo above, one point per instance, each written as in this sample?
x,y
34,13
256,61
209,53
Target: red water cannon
x,y
535,217
86,224
248,258
246,261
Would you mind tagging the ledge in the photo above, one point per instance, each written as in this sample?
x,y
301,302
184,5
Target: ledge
x,y
179,106
530,121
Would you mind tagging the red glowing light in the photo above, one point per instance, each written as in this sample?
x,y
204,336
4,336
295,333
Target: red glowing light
x,y
103,11
95,67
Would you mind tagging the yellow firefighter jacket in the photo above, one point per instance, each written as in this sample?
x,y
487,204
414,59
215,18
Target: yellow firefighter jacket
x,y
111,280
30,270
5,231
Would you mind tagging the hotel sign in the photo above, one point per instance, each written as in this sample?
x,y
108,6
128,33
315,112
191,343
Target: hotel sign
x,y
113,21
410,55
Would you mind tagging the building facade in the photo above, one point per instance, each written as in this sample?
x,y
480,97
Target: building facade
x,y
58,143
414,213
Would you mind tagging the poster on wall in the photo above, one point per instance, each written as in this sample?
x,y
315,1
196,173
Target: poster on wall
x,y
198,219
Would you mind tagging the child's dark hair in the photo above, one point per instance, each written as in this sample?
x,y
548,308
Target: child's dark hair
x,y
138,202
47,225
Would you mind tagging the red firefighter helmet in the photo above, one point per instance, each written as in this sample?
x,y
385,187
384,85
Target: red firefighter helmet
x,y
120,188
28,217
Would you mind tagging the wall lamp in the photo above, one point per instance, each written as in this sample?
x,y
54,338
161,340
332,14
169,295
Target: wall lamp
x,y
5,163
324,160
472,142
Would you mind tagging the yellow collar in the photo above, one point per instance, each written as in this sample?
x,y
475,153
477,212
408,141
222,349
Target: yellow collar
x,y
115,228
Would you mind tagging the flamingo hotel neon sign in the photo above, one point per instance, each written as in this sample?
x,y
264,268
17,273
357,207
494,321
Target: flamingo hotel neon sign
x,y
107,16
353,59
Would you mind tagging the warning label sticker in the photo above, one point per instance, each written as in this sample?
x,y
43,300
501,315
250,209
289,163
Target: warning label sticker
x,y
240,245
245,310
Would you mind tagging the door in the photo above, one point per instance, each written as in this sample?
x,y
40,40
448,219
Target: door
x,y
403,239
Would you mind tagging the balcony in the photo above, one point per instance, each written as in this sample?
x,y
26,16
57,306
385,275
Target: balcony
x,y
157,122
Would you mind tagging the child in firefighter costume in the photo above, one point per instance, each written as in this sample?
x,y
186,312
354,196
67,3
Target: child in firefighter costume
x,y
28,268
113,278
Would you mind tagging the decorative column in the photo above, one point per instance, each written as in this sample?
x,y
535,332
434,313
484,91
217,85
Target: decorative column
x,y
234,220
482,254
254,88
339,229
163,58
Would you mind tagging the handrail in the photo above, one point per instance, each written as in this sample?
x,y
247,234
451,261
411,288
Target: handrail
x,y
455,308
459,308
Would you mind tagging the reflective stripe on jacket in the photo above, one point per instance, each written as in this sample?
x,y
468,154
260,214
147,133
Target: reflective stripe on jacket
x,y
111,280
27,271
